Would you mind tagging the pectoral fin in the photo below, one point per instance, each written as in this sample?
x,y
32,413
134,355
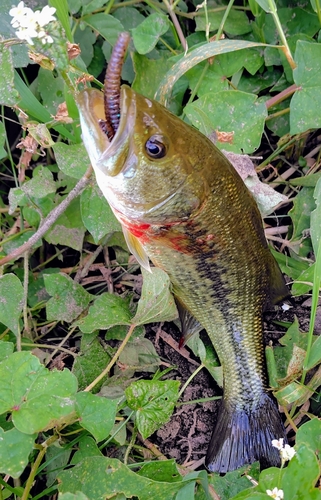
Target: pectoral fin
x,y
136,249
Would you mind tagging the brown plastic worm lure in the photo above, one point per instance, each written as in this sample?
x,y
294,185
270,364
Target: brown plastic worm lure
x,y
112,86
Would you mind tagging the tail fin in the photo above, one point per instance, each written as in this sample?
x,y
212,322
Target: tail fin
x,y
242,437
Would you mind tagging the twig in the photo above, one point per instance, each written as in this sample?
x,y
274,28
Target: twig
x,y
176,24
113,361
49,220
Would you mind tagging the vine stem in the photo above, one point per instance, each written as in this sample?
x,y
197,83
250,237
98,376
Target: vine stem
x,y
35,466
198,369
176,24
49,220
113,361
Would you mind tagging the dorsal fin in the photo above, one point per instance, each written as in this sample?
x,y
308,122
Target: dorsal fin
x,y
136,249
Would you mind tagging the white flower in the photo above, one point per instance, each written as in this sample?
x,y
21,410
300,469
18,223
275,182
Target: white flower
x,y
30,24
45,16
286,451
278,443
275,493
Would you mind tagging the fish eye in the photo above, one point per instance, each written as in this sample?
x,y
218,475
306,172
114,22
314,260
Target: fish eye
x,y
155,148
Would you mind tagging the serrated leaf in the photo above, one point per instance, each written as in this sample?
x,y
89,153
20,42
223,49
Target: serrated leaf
x,y
90,362
15,448
38,398
107,26
8,93
11,301
72,159
107,310
147,34
41,185
153,401
96,213
156,302
97,414
101,477
305,103
69,299
234,112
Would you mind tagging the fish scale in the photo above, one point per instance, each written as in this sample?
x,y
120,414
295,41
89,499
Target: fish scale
x,y
188,211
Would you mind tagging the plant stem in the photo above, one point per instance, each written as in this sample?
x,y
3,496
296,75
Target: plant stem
x,y
315,298
198,369
286,49
175,21
35,466
49,220
113,361
226,13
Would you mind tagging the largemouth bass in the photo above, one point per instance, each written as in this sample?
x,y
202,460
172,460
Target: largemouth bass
x,y
183,206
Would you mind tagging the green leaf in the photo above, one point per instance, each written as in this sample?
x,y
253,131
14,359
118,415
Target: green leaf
x,y
87,447
315,218
195,57
51,89
161,471
8,93
90,362
231,483
3,135
62,14
69,299
101,477
96,213
57,457
293,393
267,5
237,22
97,414
41,185
68,229
153,401
156,302
72,159
39,399
303,204
15,448
301,475
305,103
73,496
107,26
148,74
107,310
230,111
11,303
309,434
6,348
147,34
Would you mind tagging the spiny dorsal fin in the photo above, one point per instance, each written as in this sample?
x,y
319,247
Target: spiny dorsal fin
x,y
136,249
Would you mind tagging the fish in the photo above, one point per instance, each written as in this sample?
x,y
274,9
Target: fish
x,y
183,206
